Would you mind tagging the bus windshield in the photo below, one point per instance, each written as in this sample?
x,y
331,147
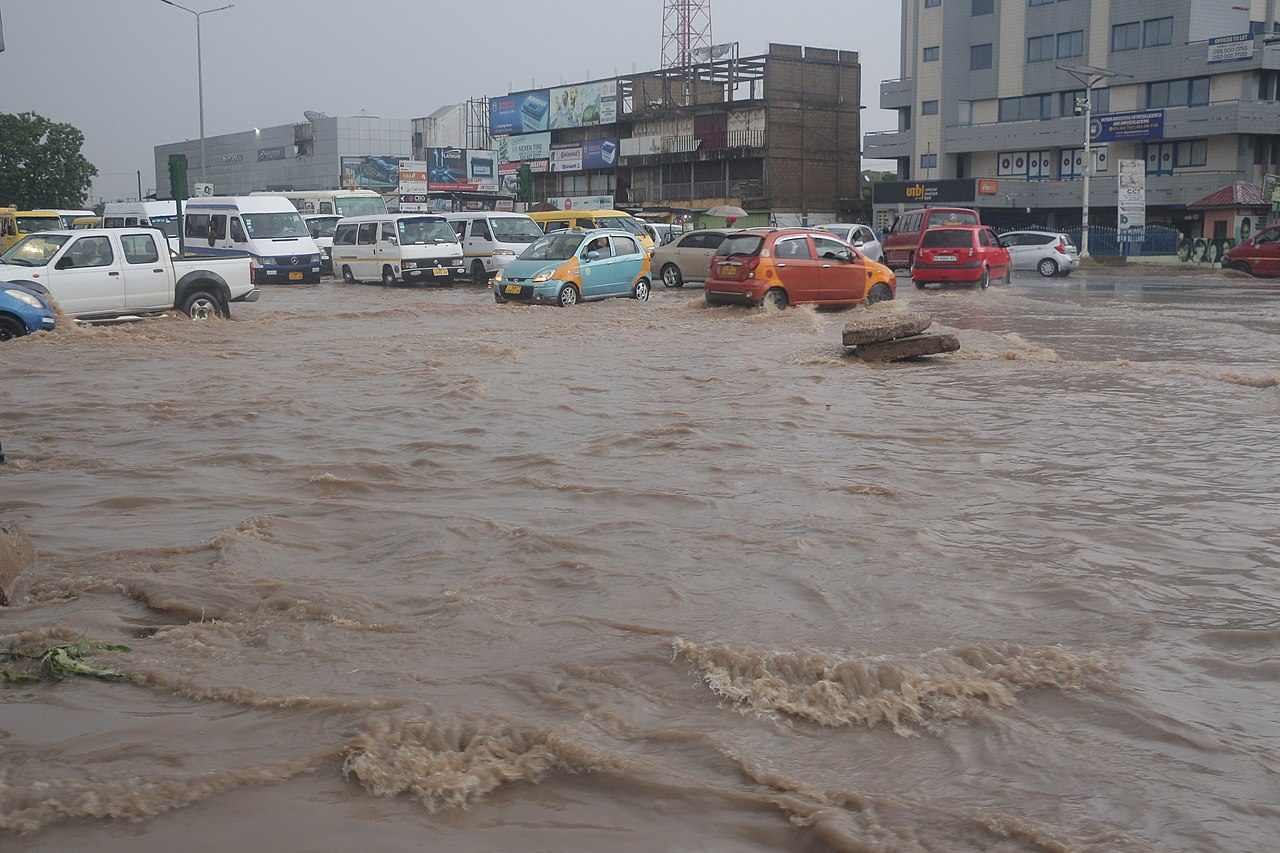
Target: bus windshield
x,y
34,251
419,232
274,226
167,224
360,206
32,224
553,247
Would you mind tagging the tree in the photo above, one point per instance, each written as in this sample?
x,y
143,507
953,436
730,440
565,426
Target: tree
x,y
40,163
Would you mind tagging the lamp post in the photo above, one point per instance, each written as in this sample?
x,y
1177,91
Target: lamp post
x,y
199,68
1089,77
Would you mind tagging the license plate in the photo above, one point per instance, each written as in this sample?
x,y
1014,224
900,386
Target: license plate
x,y
439,271
295,276
511,288
944,257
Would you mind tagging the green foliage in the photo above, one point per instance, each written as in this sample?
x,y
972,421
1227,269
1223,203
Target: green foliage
x,y
65,660
40,163
526,183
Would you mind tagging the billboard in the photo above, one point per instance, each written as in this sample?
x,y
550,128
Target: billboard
x,y
482,171
371,173
530,146
1132,200
596,154
413,178
584,105
584,202
1130,126
527,112
1231,48
459,170
566,159
917,192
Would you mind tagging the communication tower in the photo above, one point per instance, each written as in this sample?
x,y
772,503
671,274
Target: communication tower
x,y
686,32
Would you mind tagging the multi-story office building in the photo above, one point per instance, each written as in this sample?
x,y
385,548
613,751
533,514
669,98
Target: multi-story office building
x,y
983,105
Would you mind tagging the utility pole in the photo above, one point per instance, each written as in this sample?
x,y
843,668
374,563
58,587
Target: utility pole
x,y
1088,76
199,68
139,185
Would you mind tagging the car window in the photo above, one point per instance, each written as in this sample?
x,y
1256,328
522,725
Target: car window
x,y
556,225
139,249
691,241
984,238
89,252
237,231
388,232
600,245
325,207
345,235
1013,239
1044,240
480,230
459,228
131,222
794,248
625,246
952,217
828,248
947,238
739,244
1267,237
368,234
198,225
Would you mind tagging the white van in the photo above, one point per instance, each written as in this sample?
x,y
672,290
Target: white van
x,y
321,226
492,239
398,247
340,202
144,214
69,217
269,228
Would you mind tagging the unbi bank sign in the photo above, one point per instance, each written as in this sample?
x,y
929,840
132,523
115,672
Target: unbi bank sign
x,y
923,192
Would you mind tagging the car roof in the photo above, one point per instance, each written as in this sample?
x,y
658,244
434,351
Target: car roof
x,y
574,214
389,217
958,226
321,216
245,203
483,214
1036,232
34,214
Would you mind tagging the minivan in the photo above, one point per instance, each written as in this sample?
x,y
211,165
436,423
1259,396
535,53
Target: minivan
x,y
16,224
322,226
144,214
491,240
902,240
399,247
269,228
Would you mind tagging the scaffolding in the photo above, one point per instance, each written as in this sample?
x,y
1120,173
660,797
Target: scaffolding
x,y
477,118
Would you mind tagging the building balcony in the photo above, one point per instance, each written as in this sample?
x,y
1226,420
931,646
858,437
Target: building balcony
x,y
888,144
675,193
1176,190
897,93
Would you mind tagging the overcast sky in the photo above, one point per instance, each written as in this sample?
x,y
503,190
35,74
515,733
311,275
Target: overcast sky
x,y
123,71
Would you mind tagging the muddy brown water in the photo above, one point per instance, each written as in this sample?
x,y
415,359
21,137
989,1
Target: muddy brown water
x,y
404,570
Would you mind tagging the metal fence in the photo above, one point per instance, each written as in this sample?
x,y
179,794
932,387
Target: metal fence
x,y
1105,241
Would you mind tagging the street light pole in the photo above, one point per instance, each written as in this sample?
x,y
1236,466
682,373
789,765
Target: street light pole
x,y
199,68
1089,77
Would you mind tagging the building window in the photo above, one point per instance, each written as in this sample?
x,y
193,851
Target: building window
x,y
1160,158
931,54
1126,36
1157,32
964,113
1071,44
1041,2
928,4
1192,153
1011,164
1040,48
979,57
983,7
928,161
1101,102
928,108
1029,108
1193,92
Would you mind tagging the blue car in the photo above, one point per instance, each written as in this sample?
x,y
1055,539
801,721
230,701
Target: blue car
x,y
24,308
568,267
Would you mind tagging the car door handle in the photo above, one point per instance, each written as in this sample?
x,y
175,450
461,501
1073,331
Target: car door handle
x,y
158,270
826,266
781,265
113,274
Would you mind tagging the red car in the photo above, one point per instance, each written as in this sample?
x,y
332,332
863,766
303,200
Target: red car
x,y
903,239
1259,256
793,266
961,254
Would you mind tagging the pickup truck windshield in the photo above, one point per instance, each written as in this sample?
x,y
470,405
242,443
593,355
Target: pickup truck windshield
x,y
167,224
553,247
515,229
360,206
32,224
274,226
34,251
419,232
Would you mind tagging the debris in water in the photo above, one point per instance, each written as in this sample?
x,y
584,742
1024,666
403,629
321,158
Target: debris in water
x,y
16,556
55,663
880,336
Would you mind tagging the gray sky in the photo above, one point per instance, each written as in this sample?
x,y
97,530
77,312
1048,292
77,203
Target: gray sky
x,y
123,71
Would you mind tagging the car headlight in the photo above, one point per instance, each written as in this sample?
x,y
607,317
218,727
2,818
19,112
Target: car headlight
x,y
409,265
24,297
542,277
497,252
497,277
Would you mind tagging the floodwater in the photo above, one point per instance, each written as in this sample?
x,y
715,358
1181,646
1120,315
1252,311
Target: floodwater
x,y
406,570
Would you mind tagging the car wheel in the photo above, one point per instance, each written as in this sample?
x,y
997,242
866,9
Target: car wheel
x,y
920,285
11,328
388,276
568,296
1008,274
497,296
671,276
775,297
203,305
640,292
985,281
347,276
1244,268
879,293
1048,267
479,275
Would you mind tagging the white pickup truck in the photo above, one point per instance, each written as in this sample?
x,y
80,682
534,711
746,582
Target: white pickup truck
x,y
98,274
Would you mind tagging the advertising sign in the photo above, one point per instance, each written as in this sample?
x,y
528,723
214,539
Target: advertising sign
x,y
600,154
266,155
482,171
1132,200
923,192
584,105
987,186
527,112
371,173
566,159
530,146
586,202
447,169
413,178
1130,126
1231,48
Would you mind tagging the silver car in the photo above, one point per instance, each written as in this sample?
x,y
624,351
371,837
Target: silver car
x,y
1047,252
861,237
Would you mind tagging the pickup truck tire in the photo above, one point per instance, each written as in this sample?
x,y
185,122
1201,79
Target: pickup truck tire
x,y
388,277
347,276
11,328
479,275
204,305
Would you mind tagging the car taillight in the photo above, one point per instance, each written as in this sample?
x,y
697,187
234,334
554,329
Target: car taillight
x,y
751,266
1062,247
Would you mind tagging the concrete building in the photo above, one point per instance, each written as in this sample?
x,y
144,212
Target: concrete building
x,y
303,156
984,110
777,134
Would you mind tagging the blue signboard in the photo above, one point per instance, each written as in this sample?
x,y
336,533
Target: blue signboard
x,y
1127,127
600,154
527,112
